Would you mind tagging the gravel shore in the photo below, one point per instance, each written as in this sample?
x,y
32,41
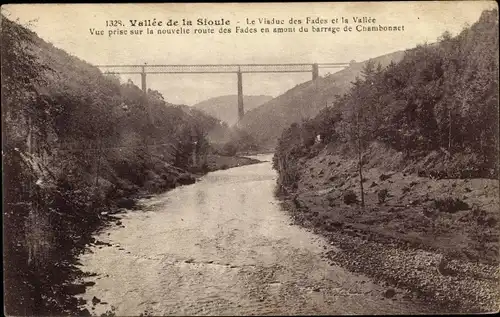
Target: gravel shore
x,y
450,285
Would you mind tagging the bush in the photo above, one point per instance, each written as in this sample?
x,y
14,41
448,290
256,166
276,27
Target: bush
x,y
229,149
186,179
382,195
331,200
450,205
127,203
240,142
383,177
350,197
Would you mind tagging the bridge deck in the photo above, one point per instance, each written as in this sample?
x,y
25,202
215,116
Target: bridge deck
x,y
238,69
217,68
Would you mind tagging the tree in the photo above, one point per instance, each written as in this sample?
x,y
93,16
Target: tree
x,y
22,74
24,116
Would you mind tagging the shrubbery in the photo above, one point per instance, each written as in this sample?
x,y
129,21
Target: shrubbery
x,y
240,142
450,205
382,195
350,197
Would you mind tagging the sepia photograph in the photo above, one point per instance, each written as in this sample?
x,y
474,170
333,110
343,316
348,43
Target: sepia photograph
x,y
247,159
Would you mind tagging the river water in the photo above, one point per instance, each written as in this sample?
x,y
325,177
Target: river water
x,y
223,246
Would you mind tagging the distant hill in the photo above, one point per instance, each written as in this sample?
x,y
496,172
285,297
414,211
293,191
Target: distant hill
x,y
225,108
266,122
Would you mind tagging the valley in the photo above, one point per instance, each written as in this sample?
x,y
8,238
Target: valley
x,y
370,190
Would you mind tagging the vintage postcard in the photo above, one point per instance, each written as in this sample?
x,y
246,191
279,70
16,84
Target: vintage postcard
x,y
336,158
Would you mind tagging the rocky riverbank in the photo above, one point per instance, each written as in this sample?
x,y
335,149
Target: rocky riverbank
x,y
437,238
451,285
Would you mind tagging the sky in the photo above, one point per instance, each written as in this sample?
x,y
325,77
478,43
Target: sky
x,y
67,26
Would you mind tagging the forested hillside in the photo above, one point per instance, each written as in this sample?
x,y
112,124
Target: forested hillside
x,y
77,144
439,101
225,108
404,167
267,122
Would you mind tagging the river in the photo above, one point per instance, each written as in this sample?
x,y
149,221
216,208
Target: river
x,y
223,246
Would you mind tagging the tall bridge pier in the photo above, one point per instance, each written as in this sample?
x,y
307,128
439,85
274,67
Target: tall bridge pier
x,y
143,80
315,71
241,110
237,69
